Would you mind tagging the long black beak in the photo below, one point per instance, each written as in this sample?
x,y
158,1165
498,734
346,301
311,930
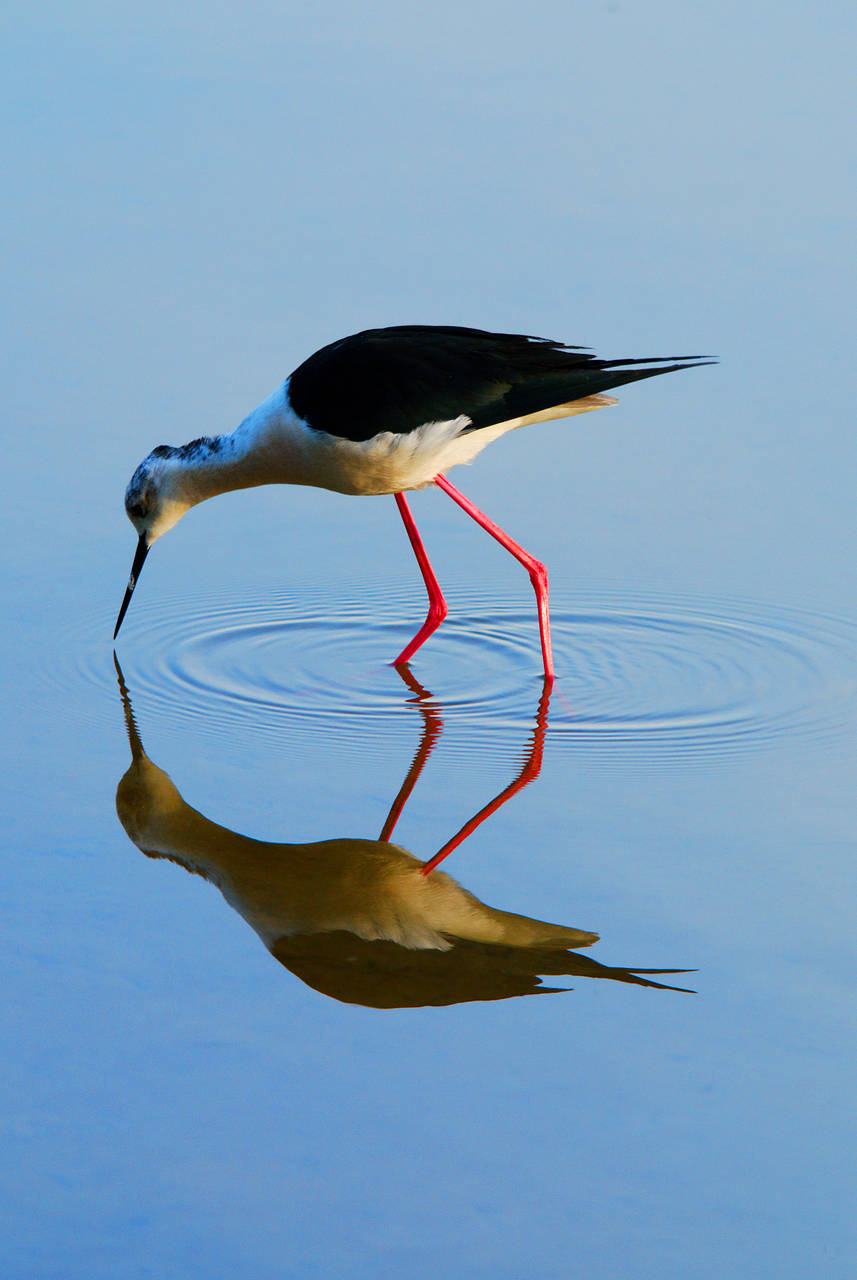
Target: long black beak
x,y
139,557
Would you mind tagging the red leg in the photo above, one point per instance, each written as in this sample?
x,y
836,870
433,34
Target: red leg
x,y
437,605
529,773
538,573
432,727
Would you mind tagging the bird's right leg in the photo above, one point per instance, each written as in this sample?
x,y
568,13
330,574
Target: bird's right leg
x,y
535,568
437,610
530,771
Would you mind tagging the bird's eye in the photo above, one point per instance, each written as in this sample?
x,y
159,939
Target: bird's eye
x,y
137,510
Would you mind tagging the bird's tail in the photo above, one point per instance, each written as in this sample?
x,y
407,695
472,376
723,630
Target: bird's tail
x,y
604,375
575,389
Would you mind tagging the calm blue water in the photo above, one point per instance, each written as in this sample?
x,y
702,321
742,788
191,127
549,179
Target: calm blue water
x,y
197,1081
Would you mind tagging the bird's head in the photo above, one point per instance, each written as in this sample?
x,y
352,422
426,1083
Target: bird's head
x,y
154,502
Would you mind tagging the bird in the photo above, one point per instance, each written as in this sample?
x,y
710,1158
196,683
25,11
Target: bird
x,y
387,411
358,919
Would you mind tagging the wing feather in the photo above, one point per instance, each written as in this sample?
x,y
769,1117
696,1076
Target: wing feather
x,y
400,378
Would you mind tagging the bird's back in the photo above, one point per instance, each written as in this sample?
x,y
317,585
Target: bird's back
x,y
400,378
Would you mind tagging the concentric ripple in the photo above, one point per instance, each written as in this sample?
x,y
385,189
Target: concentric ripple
x,y
664,676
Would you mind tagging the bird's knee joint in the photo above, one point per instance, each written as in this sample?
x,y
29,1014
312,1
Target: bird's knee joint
x,y
539,576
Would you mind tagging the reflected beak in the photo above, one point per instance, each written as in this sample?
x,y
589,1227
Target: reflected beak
x,y
139,557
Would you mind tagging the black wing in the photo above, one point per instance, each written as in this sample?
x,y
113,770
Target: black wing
x,y
396,379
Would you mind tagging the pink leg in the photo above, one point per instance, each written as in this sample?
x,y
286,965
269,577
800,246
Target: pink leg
x,y
529,773
538,573
432,728
437,605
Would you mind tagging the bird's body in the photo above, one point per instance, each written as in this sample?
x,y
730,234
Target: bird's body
x,y
276,446
383,412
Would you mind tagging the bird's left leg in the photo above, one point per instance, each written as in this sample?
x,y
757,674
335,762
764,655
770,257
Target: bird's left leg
x,y
538,573
432,728
437,610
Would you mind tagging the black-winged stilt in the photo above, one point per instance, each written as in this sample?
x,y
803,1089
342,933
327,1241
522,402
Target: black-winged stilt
x,y
385,411
361,920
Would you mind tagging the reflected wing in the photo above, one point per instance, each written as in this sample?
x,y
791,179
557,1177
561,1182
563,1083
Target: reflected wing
x,y
384,975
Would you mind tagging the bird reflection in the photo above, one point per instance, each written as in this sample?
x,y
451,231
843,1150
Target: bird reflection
x,y
365,921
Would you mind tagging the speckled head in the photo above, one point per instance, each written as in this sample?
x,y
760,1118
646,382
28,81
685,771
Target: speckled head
x,y
154,502
155,499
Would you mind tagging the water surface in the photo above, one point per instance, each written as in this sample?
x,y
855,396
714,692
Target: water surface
x,y
213,1063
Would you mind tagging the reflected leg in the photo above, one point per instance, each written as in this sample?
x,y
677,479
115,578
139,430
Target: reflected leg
x,y
432,728
529,772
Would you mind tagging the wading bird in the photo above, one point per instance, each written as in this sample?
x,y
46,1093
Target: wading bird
x,y
365,921
382,412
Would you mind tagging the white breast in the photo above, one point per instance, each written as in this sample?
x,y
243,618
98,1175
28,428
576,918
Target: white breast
x,y
288,450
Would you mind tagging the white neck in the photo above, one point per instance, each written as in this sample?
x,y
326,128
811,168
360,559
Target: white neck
x,y
269,447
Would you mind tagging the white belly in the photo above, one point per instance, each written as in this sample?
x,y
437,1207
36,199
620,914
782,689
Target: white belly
x,y
294,453
392,463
